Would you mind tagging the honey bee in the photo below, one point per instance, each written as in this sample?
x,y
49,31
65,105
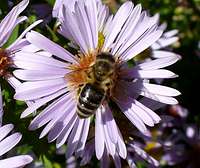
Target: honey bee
x,y
94,92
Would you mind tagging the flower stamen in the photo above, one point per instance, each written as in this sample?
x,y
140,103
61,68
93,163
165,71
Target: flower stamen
x,y
5,62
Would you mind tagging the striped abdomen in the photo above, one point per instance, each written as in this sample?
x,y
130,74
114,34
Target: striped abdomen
x,y
90,99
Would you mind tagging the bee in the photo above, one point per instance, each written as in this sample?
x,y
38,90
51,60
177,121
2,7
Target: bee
x,y
98,88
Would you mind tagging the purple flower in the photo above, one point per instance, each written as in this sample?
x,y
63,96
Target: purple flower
x,y
135,153
58,79
6,144
7,25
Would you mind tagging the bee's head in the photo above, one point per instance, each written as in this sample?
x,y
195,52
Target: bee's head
x,y
104,66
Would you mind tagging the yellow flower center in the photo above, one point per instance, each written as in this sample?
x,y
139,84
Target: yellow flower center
x,y
101,40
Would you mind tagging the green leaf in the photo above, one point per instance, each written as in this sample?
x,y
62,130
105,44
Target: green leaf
x,y
54,37
13,37
47,162
50,2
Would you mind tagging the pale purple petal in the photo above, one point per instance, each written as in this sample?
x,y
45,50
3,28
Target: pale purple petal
x,y
128,27
41,102
150,74
88,153
65,122
62,111
121,146
74,137
91,10
10,21
144,155
130,160
9,142
65,133
117,161
160,98
156,119
37,58
16,161
159,63
163,42
160,90
44,43
170,33
99,135
110,146
103,14
39,89
72,27
130,114
13,45
4,130
163,54
140,46
144,35
31,75
152,104
84,136
109,121
141,113
49,112
117,23
83,21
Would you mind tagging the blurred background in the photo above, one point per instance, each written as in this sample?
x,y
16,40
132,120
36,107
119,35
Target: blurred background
x,y
176,141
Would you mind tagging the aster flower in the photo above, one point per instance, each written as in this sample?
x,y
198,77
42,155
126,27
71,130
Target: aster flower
x,y
58,79
6,144
135,153
179,140
182,147
7,25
